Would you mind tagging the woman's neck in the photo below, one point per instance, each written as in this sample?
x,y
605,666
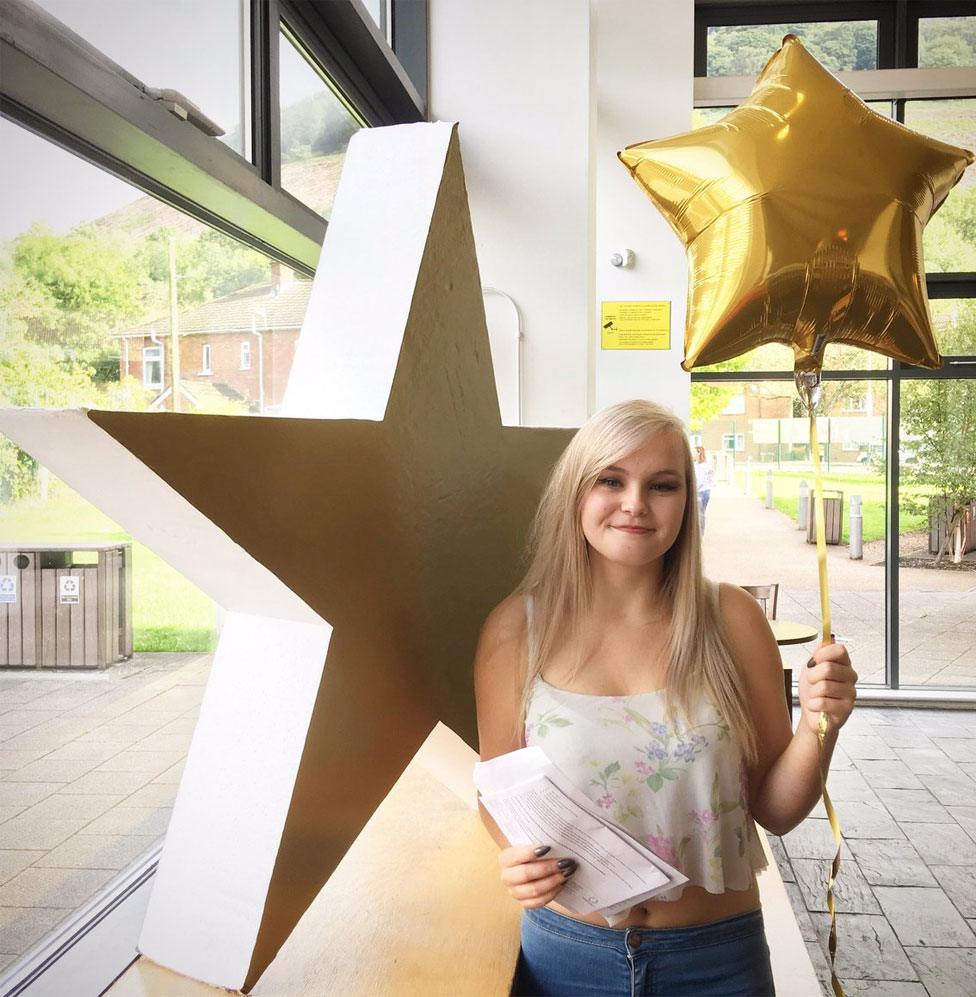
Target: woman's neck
x,y
627,593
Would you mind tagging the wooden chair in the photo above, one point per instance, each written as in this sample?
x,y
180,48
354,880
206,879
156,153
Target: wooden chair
x,y
765,595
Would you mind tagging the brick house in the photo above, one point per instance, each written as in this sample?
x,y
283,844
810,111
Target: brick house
x,y
234,349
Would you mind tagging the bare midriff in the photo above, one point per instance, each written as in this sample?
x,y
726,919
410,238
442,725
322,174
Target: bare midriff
x,y
695,906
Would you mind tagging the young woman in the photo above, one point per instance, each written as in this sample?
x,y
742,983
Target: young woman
x,y
660,694
704,478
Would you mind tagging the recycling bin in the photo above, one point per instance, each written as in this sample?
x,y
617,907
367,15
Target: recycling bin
x,y
65,607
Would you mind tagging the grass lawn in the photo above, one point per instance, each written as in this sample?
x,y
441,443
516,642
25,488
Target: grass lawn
x,y
871,488
168,612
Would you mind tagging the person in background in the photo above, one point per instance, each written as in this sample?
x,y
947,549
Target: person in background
x,y
704,479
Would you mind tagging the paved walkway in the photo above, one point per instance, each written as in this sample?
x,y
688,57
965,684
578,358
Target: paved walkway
x,y
747,544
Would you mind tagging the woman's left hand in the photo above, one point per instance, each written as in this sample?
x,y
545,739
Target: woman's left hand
x,y
826,685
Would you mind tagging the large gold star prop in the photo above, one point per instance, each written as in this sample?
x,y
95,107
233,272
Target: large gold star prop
x,y
398,534
802,212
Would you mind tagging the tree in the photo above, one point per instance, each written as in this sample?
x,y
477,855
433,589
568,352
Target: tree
x,y
939,418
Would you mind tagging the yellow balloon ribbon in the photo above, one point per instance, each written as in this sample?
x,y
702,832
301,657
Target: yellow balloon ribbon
x,y
822,726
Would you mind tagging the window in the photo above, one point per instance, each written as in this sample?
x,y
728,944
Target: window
x,y
734,441
245,356
917,471
316,125
205,367
743,49
152,366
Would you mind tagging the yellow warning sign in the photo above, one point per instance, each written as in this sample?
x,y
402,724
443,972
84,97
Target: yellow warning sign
x,y
635,325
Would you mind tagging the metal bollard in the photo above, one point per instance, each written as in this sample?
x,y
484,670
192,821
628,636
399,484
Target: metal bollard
x,y
749,476
856,529
769,489
803,509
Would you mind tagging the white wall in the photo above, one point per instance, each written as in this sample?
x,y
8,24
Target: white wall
x,y
546,92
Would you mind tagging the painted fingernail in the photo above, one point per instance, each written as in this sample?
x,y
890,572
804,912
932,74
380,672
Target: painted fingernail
x,y
541,850
569,871
565,863
811,663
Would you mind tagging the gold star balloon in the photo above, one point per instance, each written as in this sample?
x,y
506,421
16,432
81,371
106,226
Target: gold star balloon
x,y
802,212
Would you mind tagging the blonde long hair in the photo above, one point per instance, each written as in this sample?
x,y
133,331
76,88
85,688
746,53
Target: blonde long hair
x,y
558,576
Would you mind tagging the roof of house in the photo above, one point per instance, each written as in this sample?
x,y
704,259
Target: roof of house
x,y
260,307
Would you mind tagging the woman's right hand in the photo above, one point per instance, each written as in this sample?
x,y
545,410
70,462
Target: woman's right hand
x,y
531,880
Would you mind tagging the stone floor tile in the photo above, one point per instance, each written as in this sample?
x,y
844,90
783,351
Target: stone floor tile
x,y
130,820
51,770
959,749
84,751
98,851
781,858
959,882
799,905
927,761
951,790
945,972
941,844
26,832
17,794
173,774
22,927
182,724
849,784
866,819
7,812
882,988
37,887
73,806
839,759
913,805
164,742
821,966
153,762
969,768
116,783
852,894
866,746
813,839
904,737
154,794
888,774
924,916
965,817
12,862
10,760
890,863
867,948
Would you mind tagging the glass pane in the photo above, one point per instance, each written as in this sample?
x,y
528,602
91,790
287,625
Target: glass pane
x,y
84,320
954,321
701,116
947,41
950,236
200,49
743,49
756,437
378,10
315,129
937,533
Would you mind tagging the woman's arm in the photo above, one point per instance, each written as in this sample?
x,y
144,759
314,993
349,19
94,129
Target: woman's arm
x,y
784,784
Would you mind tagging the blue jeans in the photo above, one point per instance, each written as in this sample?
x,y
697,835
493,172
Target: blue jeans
x,y
561,956
703,497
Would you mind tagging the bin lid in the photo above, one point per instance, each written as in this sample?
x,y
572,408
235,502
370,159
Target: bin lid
x,y
26,548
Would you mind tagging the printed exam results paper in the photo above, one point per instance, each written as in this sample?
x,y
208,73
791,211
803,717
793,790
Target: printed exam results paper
x,y
531,800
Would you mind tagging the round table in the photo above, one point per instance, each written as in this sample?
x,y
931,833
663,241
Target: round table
x,y
787,632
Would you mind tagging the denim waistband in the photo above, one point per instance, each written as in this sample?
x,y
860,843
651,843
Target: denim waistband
x,y
690,937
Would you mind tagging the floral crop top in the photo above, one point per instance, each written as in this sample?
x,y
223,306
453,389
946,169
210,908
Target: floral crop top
x,y
679,788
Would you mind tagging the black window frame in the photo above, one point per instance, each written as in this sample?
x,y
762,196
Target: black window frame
x,y
62,88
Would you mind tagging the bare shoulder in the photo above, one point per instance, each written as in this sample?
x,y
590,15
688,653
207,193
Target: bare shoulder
x,y
499,670
505,624
741,615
